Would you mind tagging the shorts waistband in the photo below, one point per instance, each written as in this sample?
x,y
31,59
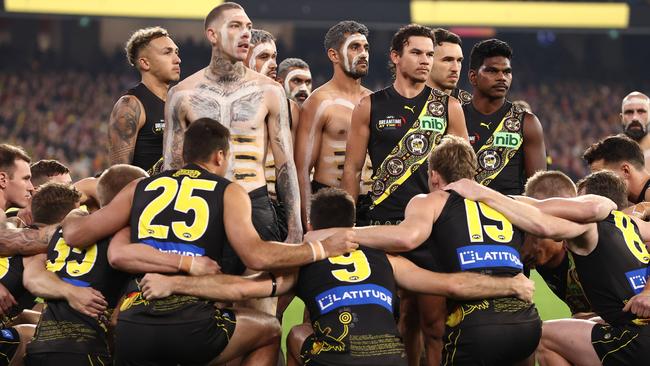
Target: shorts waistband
x,y
258,193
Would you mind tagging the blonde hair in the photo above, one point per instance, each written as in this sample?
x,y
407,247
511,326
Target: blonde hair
x,y
547,184
139,40
453,159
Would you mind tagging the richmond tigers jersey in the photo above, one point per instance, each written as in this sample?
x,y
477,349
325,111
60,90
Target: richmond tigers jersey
x,y
472,236
351,300
480,128
11,277
63,329
148,143
391,117
615,270
181,212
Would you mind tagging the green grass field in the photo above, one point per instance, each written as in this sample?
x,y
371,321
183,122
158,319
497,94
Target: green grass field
x,y
549,306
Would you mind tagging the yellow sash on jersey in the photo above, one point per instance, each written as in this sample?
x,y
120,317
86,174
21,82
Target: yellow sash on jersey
x,y
504,143
413,149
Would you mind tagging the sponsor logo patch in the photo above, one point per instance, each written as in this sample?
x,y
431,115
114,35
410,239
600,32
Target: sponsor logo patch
x,y
176,248
488,256
354,295
637,279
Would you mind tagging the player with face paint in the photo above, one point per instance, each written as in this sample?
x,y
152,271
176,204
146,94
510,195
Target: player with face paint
x,y
326,114
254,108
635,119
295,77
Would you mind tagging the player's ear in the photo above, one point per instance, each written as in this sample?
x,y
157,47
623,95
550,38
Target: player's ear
x,y
211,35
394,57
143,64
471,75
4,177
626,169
333,55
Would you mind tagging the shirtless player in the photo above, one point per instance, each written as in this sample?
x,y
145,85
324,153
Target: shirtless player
x,y
327,113
252,106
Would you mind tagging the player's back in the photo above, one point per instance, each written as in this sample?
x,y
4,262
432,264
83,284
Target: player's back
x,y
63,329
181,212
472,236
351,300
615,270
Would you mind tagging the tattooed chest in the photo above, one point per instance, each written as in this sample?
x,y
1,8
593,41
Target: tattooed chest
x,y
239,109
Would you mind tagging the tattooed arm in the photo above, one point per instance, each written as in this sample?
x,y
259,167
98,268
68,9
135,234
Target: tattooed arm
x,y
286,181
175,126
126,120
24,241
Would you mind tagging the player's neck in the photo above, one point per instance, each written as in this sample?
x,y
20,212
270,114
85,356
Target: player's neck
x,y
636,184
346,84
486,104
408,87
156,86
223,69
3,204
433,85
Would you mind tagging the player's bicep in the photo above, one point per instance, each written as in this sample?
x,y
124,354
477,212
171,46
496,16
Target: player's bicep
x,y
457,126
416,279
308,138
533,145
125,121
237,221
173,134
357,143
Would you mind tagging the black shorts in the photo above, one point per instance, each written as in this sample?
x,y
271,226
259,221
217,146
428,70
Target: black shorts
x,y
490,345
309,359
67,359
316,186
283,227
195,343
9,342
264,218
621,345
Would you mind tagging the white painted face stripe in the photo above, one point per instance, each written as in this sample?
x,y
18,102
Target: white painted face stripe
x,y
344,49
257,50
224,36
293,73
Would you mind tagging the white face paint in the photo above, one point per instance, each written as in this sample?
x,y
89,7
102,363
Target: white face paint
x,y
303,87
350,66
259,49
229,43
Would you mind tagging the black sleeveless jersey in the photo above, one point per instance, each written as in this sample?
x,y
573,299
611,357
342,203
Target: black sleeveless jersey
x,y
11,277
391,116
563,280
615,270
351,301
472,236
148,145
463,96
181,212
480,127
63,329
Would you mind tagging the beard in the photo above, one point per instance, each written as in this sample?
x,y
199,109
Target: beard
x,y
354,74
635,130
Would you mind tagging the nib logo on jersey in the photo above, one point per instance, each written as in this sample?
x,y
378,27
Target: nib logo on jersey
x,y
488,256
176,248
354,295
637,279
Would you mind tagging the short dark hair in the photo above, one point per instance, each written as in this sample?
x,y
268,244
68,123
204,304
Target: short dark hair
x,y
53,201
486,49
607,184
442,35
338,32
202,138
8,156
453,159
551,183
42,170
114,179
287,63
260,36
332,207
401,38
615,149
218,10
